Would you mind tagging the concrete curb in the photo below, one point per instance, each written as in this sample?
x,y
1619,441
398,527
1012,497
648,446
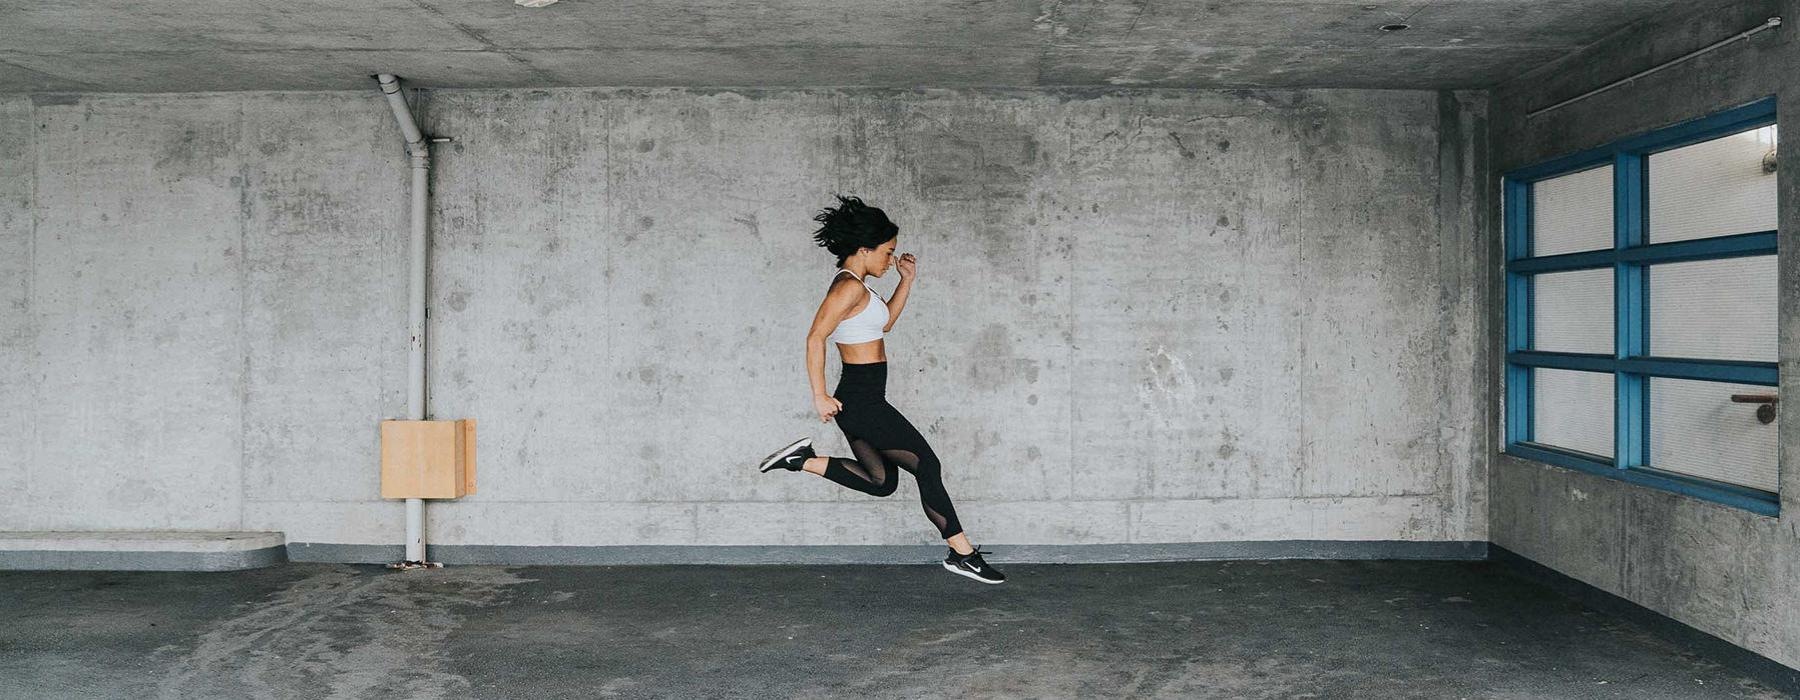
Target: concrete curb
x,y
169,550
51,560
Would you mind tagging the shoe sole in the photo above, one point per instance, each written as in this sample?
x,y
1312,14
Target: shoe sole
x,y
770,462
952,569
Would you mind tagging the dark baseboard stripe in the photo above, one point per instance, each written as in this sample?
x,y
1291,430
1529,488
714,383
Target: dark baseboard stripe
x,y
1764,669
508,555
81,560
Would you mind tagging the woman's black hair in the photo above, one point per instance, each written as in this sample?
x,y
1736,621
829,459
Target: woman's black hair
x,y
852,225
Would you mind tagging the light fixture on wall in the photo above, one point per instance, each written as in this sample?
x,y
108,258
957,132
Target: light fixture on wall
x,y
1771,137
533,3
1395,27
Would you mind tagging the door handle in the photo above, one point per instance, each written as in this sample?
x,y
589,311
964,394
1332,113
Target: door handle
x,y
1764,412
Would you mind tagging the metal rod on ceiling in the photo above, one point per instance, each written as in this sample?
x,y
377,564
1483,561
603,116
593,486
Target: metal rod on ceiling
x,y
1771,23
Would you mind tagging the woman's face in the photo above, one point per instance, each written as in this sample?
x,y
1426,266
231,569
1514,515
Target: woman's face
x,y
881,257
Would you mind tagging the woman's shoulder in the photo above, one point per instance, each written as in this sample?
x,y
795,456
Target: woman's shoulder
x,y
846,286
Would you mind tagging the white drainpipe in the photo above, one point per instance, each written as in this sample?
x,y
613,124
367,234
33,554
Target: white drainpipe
x,y
418,149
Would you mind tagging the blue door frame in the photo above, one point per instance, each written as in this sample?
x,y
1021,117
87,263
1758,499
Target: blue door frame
x,y
1630,258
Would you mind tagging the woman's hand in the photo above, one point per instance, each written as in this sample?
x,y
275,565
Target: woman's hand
x,y
827,407
908,265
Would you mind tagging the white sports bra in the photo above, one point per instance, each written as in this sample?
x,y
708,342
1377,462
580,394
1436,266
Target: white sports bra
x,y
867,324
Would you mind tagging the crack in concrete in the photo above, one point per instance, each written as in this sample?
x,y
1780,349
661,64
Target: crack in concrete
x,y
484,41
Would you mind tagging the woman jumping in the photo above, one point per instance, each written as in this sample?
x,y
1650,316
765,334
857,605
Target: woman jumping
x,y
856,318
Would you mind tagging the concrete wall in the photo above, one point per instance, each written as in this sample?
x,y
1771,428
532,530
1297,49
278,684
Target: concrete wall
x,y
1141,317
205,302
1723,570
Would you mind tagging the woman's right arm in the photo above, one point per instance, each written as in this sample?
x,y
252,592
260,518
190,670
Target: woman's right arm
x,y
836,307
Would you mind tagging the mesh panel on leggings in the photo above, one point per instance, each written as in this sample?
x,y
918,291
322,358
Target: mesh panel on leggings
x,y
868,464
873,472
868,473
910,462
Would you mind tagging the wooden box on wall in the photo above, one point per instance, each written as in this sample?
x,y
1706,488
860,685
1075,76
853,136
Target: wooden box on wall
x,y
427,458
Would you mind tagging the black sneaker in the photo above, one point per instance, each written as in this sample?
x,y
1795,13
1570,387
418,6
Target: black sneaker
x,y
791,458
972,566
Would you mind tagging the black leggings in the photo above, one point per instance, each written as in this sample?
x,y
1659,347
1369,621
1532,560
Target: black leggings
x,y
882,439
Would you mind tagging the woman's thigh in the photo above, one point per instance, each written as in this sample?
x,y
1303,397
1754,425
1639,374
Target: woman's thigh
x,y
882,426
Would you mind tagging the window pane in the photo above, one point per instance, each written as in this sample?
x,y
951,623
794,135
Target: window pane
x,y
1695,429
1572,213
1713,188
1714,309
1573,410
1573,311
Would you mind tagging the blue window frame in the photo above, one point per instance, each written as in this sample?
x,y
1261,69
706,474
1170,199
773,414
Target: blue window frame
x,y
1630,257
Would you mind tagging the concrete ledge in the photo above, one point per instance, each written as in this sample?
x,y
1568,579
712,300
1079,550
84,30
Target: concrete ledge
x,y
1764,669
510,555
158,550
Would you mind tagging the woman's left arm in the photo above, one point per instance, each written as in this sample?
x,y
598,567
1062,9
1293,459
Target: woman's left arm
x,y
908,266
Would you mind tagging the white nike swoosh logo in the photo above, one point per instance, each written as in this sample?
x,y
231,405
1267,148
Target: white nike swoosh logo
x,y
976,568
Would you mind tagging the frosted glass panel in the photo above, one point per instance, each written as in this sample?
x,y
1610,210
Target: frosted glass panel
x,y
1695,429
1714,309
1713,188
1573,410
1572,213
1573,311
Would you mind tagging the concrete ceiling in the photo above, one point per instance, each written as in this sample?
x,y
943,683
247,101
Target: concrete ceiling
x,y
196,45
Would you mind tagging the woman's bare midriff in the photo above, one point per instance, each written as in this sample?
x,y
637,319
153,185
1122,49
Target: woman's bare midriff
x,y
863,353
